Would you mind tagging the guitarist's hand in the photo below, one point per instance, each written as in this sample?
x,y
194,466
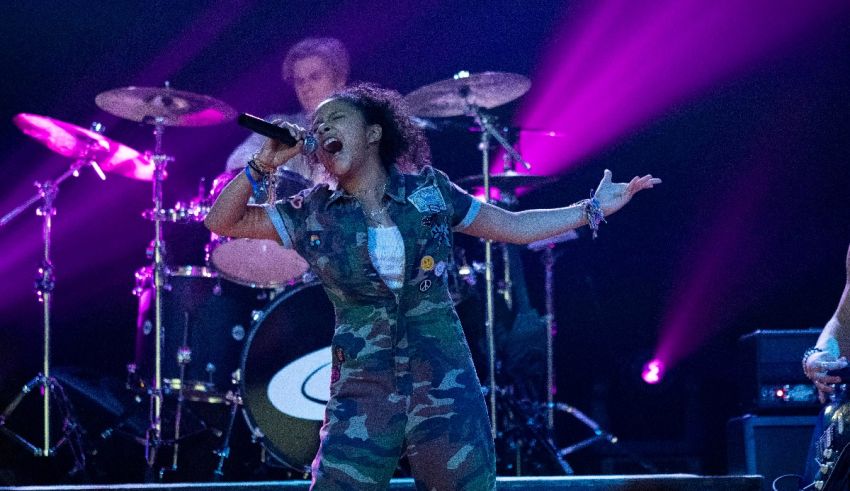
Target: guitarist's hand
x,y
816,367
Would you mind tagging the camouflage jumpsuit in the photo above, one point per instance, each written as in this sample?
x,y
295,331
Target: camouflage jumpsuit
x,y
402,375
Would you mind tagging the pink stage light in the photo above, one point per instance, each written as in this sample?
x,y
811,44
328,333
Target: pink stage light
x,y
653,371
619,64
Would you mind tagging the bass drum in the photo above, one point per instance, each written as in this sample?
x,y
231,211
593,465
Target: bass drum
x,y
286,374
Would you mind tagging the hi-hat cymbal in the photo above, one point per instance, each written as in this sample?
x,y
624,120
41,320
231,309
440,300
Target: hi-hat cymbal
x,y
72,141
165,105
453,97
507,182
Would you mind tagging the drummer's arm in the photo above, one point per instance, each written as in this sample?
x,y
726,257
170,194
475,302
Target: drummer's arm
x,y
232,216
524,227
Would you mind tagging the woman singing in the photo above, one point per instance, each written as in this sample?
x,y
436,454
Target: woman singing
x,y
402,377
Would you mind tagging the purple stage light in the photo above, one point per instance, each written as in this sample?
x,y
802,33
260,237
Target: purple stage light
x,y
619,64
653,371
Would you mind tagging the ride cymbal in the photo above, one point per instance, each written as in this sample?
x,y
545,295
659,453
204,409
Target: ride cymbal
x,y
164,105
453,97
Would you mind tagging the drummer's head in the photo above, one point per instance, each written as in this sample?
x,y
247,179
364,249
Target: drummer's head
x,y
400,141
316,67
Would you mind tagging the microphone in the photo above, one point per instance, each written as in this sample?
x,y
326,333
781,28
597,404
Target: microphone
x,y
282,135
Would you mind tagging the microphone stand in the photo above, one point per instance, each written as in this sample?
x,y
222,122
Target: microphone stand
x,y
44,285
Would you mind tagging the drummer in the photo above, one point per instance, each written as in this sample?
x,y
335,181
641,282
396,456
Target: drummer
x,y
316,67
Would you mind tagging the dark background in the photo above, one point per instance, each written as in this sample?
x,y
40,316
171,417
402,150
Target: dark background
x,y
779,131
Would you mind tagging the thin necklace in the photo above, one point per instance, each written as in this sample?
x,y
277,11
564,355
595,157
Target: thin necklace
x,y
378,212
381,209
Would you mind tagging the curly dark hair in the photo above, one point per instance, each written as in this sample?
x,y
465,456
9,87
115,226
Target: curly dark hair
x,y
403,143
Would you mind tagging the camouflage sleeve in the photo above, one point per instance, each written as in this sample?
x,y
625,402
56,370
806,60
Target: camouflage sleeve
x,y
464,208
288,216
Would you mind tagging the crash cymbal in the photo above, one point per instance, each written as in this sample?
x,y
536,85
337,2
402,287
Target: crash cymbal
x,y
72,141
506,182
452,97
171,107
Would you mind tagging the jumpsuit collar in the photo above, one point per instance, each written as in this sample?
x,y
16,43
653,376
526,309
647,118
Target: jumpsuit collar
x,y
395,188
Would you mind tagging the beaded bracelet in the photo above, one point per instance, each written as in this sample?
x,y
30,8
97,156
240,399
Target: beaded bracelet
x,y
594,214
809,352
252,163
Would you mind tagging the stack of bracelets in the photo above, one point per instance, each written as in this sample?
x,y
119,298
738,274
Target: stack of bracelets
x,y
260,188
593,213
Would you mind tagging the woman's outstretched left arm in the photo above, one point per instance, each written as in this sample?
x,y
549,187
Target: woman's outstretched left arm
x,y
528,226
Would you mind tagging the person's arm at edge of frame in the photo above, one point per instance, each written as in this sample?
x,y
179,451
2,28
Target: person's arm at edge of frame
x,y
830,351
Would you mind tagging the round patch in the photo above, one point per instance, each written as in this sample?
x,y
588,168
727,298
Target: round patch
x,y
427,263
440,268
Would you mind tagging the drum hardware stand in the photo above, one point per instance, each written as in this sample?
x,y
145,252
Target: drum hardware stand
x,y
44,285
528,426
599,435
549,258
509,201
234,398
184,357
484,121
153,437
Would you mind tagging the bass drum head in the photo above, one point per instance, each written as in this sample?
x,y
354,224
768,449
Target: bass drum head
x,y
286,374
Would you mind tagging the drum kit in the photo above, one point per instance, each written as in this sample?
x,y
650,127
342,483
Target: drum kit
x,y
250,329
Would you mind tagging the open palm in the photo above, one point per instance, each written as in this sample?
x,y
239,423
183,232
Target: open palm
x,y
614,195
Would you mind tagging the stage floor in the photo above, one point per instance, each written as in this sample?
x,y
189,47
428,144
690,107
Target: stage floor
x,y
658,482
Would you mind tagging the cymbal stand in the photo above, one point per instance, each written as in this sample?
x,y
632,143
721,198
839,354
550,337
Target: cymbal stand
x,y
599,436
549,258
484,121
44,285
153,436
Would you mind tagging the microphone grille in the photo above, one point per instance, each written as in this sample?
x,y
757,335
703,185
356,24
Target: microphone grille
x,y
311,144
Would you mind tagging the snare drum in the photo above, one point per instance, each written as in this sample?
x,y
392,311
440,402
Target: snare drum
x,y
257,263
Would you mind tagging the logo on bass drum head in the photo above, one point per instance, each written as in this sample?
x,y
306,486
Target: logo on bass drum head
x,y
302,388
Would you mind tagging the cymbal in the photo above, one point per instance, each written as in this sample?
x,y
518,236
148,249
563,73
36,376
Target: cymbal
x,y
453,96
72,141
171,107
508,181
